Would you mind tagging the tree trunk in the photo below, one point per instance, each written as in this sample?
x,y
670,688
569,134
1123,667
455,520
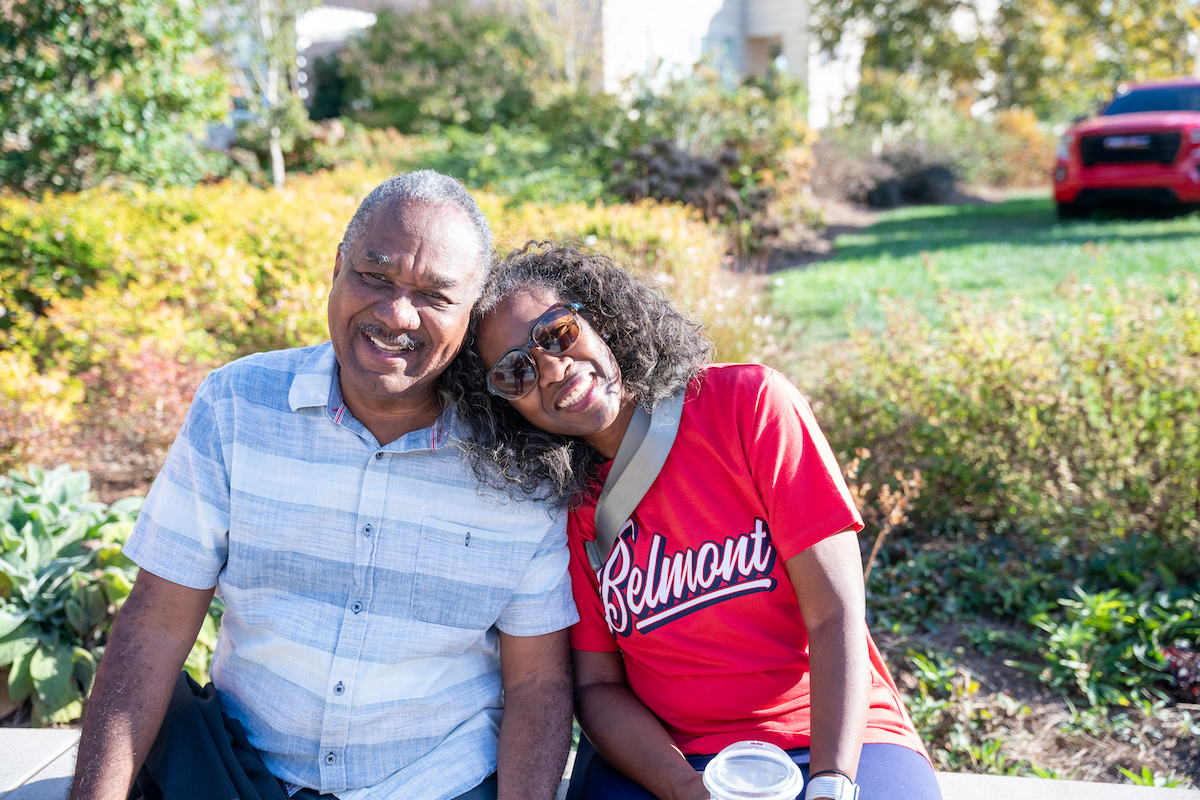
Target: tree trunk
x,y
272,94
277,172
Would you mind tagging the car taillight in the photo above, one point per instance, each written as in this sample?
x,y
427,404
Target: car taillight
x,y
1064,146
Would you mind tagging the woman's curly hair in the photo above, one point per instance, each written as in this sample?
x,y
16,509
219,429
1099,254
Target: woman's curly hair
x,y
658,349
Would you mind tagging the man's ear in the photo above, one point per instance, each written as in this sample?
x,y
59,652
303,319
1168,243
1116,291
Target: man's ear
x,y
337,262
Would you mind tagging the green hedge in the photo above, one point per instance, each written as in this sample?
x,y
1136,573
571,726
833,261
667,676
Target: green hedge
x,y
114,304
1083,424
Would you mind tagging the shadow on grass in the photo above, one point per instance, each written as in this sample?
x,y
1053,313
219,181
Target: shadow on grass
x,y
1024,222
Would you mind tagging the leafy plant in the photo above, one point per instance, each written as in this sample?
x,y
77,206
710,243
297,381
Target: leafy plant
x,y
62,579
1148,778
953,718
91,90
451,64
740,153
1110,645
1058,58
1065,439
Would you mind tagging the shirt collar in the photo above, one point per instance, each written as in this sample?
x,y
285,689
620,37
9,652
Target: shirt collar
x,y
312,384
316,385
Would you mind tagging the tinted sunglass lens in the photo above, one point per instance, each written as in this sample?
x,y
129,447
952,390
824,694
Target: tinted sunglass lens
x,y
557,334
514,375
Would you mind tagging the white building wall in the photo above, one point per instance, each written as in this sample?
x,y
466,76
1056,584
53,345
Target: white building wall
x,y
785,21
639,35
742,36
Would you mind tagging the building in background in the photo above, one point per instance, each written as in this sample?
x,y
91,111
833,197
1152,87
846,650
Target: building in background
x,y
624,38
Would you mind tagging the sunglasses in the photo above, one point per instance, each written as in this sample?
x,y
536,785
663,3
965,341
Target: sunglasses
x,y
554,332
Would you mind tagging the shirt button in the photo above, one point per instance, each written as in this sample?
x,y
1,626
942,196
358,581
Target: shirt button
x,y
366,530
379,455
356,606
330,758
340,688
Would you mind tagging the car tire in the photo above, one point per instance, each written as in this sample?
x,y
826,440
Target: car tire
x,y
1071,211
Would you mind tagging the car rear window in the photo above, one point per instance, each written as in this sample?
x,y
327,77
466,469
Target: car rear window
x,y
1164,98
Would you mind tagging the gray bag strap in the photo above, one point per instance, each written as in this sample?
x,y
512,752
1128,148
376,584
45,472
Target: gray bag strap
x,y
643,451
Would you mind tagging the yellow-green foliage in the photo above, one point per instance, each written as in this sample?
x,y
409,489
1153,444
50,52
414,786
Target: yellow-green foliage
x,y
116,292
1082,426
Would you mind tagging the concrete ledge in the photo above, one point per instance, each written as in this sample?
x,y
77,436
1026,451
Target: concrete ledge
x,y
38,765
968,786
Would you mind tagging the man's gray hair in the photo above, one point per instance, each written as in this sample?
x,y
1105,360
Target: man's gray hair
x,y
431,188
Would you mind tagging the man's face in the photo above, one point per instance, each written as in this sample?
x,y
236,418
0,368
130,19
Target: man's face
x,y
399,305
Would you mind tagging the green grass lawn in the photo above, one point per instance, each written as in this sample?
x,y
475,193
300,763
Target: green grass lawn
x,y
1007,250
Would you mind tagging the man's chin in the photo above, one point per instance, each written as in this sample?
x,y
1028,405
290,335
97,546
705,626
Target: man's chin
x,y
397,386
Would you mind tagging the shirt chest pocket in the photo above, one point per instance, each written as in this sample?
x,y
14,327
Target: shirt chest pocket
x,y
464,575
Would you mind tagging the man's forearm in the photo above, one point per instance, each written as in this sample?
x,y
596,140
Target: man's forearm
x,y
535,735
149,643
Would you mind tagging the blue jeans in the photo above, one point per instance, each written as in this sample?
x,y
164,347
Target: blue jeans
x,y
885,772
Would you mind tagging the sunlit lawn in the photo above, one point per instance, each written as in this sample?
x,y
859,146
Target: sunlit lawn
x,y
1007,250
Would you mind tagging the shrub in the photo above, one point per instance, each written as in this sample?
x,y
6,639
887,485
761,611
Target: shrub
x,y
520,163
1077,429
116,304
1007,148
1110,646
95,89
1059,451
450,64
728,150
36,409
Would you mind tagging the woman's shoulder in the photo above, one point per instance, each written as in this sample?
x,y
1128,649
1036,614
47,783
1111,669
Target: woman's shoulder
x,y
723,381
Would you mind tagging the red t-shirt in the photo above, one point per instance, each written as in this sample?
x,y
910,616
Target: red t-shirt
x,y
695,594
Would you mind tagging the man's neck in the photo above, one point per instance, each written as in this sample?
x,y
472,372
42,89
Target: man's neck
x,y
388,421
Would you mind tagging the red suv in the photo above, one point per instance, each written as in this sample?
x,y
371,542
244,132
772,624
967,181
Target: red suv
x,y
1143,149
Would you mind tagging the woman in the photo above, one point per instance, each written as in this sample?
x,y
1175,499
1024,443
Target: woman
x,y
731,607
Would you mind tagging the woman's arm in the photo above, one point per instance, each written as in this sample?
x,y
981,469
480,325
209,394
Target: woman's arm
x,y
828,582
626,733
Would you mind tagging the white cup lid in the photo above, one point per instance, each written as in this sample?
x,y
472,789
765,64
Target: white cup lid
x,y
753,771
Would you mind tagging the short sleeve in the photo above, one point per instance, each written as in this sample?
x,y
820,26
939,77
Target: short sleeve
x,y
794,470
591,633
182,532
542,602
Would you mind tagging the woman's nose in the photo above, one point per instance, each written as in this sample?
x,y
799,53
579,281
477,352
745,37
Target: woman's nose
x,y
551,368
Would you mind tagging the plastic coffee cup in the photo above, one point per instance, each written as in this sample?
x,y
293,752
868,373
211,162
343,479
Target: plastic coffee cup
x,y
753,771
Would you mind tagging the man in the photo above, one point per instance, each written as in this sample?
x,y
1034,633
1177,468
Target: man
x,y
381,608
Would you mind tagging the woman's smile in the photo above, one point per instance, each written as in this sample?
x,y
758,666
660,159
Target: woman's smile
x,y
578,392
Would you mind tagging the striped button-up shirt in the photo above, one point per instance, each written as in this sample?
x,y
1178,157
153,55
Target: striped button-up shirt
x,y
364,584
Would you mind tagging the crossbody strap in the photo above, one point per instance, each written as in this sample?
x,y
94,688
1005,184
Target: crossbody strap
x,y
643,451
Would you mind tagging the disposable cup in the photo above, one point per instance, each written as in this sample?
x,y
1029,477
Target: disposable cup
x,y
753,771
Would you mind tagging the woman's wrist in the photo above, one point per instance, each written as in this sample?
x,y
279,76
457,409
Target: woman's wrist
x,y
831,785
691,787
830,771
